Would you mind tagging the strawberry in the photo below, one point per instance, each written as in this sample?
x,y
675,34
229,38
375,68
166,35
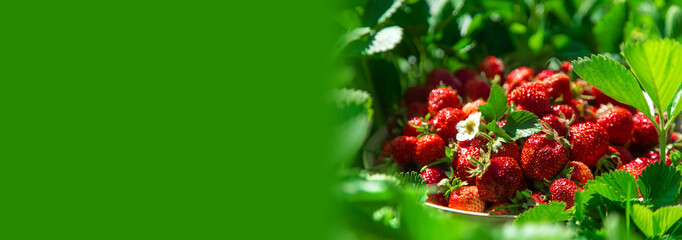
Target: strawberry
x,y
580,173
520,74
500,179
545,74
530,97
416,109
602,99
503,211
439,76
589,142
446,121
415,93
675,137
542,158
478,142
492,67
514,85
540,198
465,74
618,124
432,176
408,130
609,162
477,89
562,109
466,198
566,67
644,133
563,190
656,156
555,123
402,149
508,149
623,154
472,107
429,148
463,164
636,166
442,98
558,86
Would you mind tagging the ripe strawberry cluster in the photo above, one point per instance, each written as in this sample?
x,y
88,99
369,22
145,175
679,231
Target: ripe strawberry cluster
x,y
584,133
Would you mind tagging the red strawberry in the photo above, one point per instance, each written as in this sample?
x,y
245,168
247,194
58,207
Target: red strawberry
x,y
442,98
432,176
581,173
463,164
508,149
408,130
589,143
430,148
415,93
530,97
514,85
555,123
601,98
416,109
558,85
675,137
542,158
623,153
466,198
475,90
656,156
402,149
503,211
645,133
478,142
472,107
545,74
520,74
446,121
438,76
636,166
566,110
492,66
540,198
566,67
465,74
500,180
618,124
563,190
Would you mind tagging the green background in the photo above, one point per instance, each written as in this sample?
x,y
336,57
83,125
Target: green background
x,y
164,120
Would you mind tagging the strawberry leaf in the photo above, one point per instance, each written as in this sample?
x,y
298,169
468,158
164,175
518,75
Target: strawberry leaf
x,y
496,106
493,127
543,213
614,186
384,40
660,184
658,67
613,79
655,223
522,124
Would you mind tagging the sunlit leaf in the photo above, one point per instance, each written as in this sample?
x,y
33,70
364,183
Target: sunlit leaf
x,y
614,185
521,124
496,106
660,184
643,218
552,212
384,40
613,79
658,67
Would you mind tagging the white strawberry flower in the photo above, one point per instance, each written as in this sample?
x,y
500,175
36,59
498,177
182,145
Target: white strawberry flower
x,y
468,128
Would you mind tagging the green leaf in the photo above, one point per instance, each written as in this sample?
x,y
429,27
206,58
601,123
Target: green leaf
x,y
496,105
354,108
493,127
614,185
351,36
536,40
655,223
666,217
658,67
378,11
643,218
673,22
610,28
612,79
660,184
522,124
384,40
543,213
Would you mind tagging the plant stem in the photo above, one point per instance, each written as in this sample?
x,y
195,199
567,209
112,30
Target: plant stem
x,y
662,132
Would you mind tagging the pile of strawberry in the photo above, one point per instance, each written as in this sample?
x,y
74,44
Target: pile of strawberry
x,y
474,166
